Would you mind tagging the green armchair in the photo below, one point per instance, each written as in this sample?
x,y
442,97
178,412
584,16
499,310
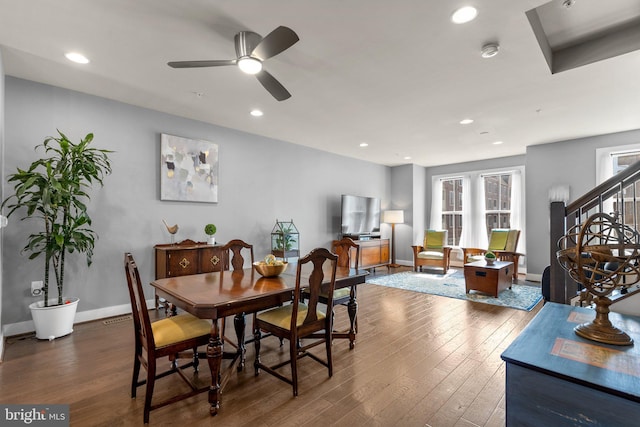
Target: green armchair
x,y
503,243
433,252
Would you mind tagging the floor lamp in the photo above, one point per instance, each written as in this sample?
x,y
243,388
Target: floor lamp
x,y
393,217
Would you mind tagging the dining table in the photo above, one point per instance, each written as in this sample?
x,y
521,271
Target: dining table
x,y
238,292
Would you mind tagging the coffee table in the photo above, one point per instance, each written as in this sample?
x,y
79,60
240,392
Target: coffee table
x,y
490,279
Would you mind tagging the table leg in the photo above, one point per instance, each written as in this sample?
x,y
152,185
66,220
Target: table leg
x,y
214,357
239,324
352,309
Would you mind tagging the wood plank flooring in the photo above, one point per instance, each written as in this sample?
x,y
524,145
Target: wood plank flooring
x,y
420,360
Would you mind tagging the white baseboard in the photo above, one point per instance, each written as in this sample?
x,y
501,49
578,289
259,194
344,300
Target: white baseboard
x,y
81,316
534,277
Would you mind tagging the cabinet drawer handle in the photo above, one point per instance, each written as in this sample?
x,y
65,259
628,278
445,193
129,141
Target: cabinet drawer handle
x,y
214,260
184,263
481,273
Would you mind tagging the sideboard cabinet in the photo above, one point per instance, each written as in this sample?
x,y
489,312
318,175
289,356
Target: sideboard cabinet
x,y
189,257
373,253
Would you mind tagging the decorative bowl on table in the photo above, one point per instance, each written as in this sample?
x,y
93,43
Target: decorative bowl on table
x,y
270,270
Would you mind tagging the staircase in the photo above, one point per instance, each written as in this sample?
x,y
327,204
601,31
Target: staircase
x,y
620,195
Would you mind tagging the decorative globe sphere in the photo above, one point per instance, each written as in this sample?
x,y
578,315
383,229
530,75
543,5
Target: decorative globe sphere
x,y
602,255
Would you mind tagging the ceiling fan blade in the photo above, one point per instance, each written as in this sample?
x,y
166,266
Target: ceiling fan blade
x,y
195,64
276,41
273,86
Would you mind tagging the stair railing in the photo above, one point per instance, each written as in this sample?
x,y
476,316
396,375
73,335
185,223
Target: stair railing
x,y
619,195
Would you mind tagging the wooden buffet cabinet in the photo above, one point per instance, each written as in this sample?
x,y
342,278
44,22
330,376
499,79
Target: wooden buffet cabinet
x,y
373,253
189,257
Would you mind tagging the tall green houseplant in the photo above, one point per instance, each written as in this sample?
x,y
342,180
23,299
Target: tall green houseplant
x,y
54,190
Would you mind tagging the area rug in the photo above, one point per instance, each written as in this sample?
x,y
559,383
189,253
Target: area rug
x,y
451,285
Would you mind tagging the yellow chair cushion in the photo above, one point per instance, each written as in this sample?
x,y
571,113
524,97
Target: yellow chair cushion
x,y
281,316
498,240
341,293
433,239
430,255
179,328
338,293
474,258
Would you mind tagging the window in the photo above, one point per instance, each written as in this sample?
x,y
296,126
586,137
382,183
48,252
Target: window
x,y
497,193
469,205
452,209
622,160
629,206
610,161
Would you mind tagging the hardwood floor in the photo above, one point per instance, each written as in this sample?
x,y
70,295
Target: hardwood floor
x,y
419,360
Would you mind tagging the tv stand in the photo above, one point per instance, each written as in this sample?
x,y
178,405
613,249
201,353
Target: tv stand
x,y
362,236
373,252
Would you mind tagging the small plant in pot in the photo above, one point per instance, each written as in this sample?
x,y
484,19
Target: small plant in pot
x,y
54,191
490,258
210,230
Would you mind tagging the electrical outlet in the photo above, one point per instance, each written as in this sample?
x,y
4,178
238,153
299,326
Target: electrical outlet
x,y
36,288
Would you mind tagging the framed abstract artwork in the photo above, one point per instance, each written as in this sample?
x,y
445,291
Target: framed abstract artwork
x,y
188,169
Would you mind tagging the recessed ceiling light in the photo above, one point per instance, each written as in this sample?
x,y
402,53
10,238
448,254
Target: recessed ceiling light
x,y
466,121
256,113
407,157
464,14
364,144
497,142
77,57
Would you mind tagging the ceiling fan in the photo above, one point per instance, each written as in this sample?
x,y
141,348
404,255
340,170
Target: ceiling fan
x,y
251,51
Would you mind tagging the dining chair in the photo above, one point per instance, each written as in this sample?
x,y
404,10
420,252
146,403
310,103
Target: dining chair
x,y
298,321
344,249
234,249
168,337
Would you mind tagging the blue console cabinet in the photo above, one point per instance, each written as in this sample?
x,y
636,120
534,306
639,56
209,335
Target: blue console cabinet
x,y
556,378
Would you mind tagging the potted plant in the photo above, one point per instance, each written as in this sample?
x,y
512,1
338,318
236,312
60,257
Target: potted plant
x,y
490,257
210,230
54,191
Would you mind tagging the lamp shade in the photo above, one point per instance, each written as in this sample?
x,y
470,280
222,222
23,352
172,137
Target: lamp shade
x,y
393,217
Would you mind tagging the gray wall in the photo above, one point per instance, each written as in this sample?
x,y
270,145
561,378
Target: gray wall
x,y
570,163
261,180
503,162
402,198
1,192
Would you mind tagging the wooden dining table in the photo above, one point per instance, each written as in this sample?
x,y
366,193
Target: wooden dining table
x,y
236,293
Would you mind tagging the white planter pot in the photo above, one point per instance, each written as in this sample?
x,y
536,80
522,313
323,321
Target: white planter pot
x,y
212,240
54,321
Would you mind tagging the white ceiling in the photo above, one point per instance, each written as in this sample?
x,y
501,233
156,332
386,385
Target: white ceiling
x,y
397,75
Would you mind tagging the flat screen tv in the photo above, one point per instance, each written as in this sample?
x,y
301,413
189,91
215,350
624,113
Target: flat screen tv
x,y
360,215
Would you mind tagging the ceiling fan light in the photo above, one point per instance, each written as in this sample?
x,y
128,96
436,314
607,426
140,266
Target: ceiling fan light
x,y
250,65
